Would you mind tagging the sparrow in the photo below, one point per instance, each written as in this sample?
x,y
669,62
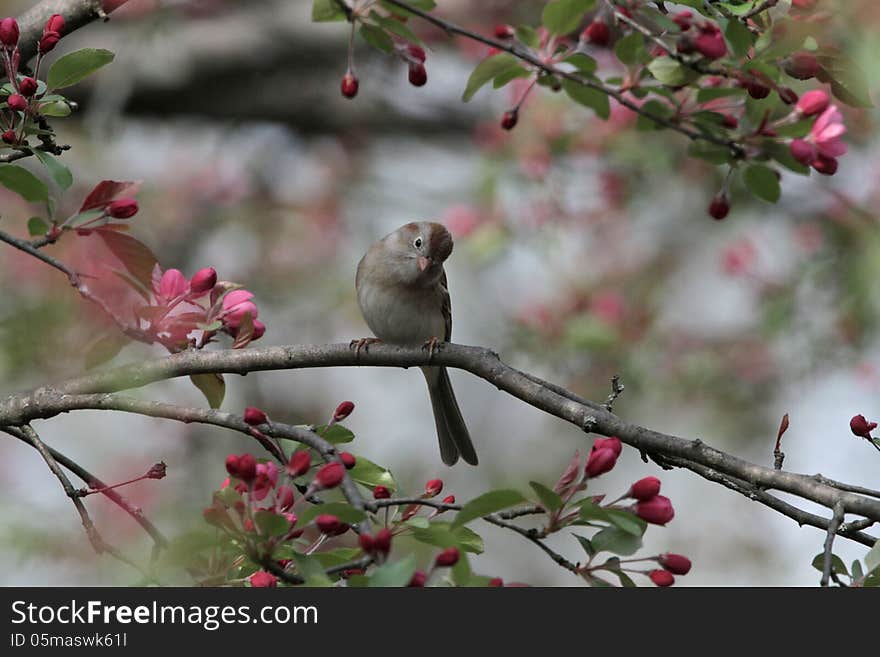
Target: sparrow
x,y
403,297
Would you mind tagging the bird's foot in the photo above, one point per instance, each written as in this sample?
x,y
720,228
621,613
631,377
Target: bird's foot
x,y
362,343
432,346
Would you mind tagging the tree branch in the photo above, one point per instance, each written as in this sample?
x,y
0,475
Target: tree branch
x,y
833,526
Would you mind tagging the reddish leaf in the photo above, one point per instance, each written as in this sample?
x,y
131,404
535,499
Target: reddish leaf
x,y
783,427
106,192
135,256
571,473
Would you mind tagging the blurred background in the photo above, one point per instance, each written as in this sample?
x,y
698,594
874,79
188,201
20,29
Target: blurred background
x,y
583,250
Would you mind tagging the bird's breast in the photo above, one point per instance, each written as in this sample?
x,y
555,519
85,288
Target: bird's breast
x,y
402,315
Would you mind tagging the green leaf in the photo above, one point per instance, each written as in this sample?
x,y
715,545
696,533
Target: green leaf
x,y
311,569
395,26
369,474
713,93
271,524
377,37
837,565
444,535
510,74
37,226
487,503
586,544
486,70
739,37
327,10
345,512
856,568
591,511
73,67
549,500
625,580
782,154
564,16
396,573
337,434
583,63
336,557
629,48
848,81
528,36
669,72
627,522
424,5
710,152
212,386
612,539
872,559
24,183
60,173
56,108
588,97
763,182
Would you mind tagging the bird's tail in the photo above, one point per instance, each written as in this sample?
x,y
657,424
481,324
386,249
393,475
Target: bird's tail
x,y
452,432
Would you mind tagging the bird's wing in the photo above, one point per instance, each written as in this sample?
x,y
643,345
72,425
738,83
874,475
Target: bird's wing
x,y
446,307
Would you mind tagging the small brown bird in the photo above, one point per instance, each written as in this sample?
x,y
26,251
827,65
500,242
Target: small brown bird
x,y
401,290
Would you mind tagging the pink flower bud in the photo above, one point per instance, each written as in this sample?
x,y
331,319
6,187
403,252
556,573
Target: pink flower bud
x,y
263,580
861,427
449,499
123,208
382,541
510,119
254,416
657,510
418,75
343,411
259,330
9,137
28,87
825,164
348,460
330,475
719,207
504,32
803,151
381,493
600,462
801,65
612,443
813,102
661,577
9,32
597,33
203,281
419,579
54,24
415,52
236,305
448,557
645,489
330,525
433,487
349,85
710,42
366,542
232,464
683,19
17,102
284,499
48,41
299,463
675,563
157,471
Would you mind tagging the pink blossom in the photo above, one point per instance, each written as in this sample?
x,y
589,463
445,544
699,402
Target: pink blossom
x,y
172,285
236,305
827,132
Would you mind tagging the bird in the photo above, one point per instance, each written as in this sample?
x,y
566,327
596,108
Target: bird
x,y
404,299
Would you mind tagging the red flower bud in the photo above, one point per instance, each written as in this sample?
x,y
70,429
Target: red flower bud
x,y
710,42
157,471
504,32
299,463
825,165
381,493
433,487
675,563
415,52
449,499
645,489
343,411
801,65
348,460
661,577
48,41
54,24
366,542
719,207
330,475
729,121
600,462
597,33
757,90
9,32
382,540
123,208
262,579
247,467
9,137
612,443
232,464
788,95
683,19
803,151
419,579
284,498
657,510
861,427
510,119
330,525
496,581
447,557
418,75
813,102
254,416
17,102
203,281
349,85
27,87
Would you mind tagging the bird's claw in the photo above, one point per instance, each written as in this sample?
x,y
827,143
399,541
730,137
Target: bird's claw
x,y
362,343
432,346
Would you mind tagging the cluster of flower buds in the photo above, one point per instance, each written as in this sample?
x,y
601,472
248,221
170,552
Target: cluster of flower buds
x,y
705,38
650,506
414,57
824,144
603,457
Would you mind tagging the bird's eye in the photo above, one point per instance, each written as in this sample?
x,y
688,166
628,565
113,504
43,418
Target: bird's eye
x,y
417,242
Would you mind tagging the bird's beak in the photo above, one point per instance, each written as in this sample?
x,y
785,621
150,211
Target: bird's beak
x,y
424,263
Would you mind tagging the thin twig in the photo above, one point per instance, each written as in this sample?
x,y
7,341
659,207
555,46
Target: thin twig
x,y
833,526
